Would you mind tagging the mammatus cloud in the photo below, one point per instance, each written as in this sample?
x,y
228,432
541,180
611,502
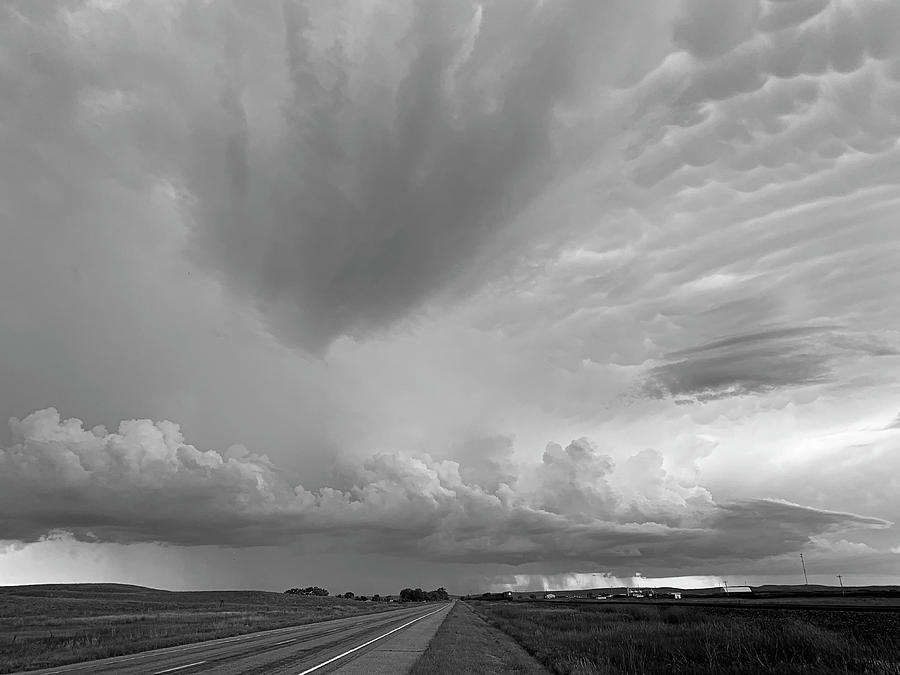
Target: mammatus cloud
x,y
756,198
144,483
710,168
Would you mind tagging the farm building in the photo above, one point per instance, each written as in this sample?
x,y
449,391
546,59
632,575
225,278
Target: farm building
x,y
549,596
736,590
639,592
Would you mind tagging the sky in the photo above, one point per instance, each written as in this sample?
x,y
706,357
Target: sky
x,y
369,294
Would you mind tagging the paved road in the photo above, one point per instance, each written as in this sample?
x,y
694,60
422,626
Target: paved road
x,y
324,647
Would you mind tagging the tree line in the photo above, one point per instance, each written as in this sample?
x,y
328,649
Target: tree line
x,y
418,595
309,590
406,595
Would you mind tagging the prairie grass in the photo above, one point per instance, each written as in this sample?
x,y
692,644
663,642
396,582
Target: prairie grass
x,y
648,639
466,645
43,626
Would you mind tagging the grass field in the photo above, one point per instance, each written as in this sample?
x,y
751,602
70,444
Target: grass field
x,y
42,626
676,640
466,645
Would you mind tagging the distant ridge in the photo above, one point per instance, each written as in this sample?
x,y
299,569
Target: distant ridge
x,y
123,592
75,589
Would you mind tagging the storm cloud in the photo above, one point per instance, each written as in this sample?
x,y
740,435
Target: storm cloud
x,y
400,247
338,178
144,483
758,362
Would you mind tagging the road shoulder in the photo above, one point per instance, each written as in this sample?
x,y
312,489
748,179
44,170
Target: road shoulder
x,y
397,653
465,643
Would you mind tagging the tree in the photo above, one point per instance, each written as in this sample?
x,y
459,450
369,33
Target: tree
x,y
412,595
437,595
376,598
418,595
349,595
309,590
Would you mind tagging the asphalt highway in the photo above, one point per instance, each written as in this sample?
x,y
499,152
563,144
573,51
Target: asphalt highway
x,y
323,647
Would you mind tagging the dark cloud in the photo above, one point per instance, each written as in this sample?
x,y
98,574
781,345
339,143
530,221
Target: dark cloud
x,y
144,483
758,362
380,194
788,524
748,339
338,172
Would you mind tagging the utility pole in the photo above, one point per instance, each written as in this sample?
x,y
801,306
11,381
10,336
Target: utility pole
x,y
805,578
841,581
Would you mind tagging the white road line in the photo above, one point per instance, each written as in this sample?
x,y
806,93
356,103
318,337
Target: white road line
x,y
284,642
365,644
172,670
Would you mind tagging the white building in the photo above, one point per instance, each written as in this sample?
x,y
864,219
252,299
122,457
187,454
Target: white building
x,y
736,590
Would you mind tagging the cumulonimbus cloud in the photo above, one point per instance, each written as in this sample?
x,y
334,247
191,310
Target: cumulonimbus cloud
x,y
144,483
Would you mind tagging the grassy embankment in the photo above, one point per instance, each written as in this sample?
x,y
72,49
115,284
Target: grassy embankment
x,y
650,639
42,626
465,644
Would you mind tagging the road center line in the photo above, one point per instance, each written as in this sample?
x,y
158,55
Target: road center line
x,y
172,670
365,644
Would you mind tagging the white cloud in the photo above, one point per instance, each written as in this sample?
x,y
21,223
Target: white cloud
x,y
577,581
146,484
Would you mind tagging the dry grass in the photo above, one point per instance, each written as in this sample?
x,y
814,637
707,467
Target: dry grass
x,y
42,626
647,639
465,644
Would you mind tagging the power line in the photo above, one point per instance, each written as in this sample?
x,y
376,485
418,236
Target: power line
x,y
805,578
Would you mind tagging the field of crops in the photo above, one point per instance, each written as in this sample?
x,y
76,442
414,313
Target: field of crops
x,y
676,640
51,625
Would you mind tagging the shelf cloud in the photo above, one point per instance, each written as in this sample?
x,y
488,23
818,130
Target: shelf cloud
x,y
144,483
